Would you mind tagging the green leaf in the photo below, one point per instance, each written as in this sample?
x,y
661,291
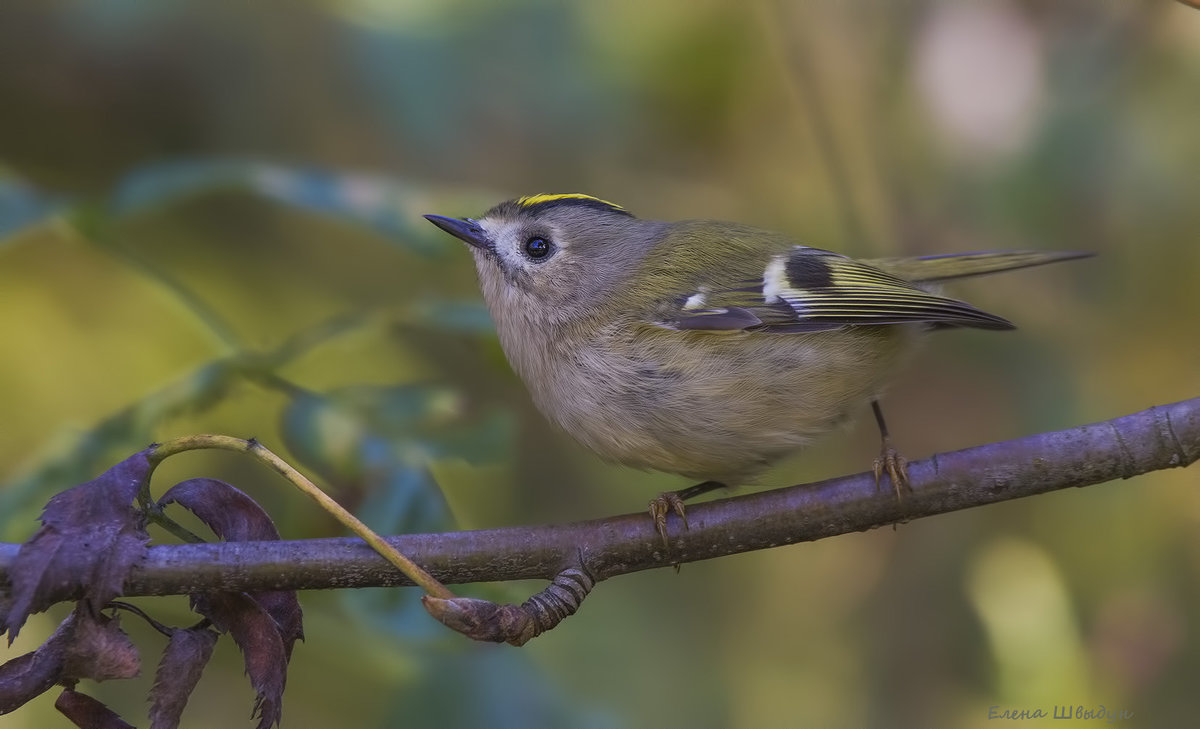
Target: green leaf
x,y
127,430
370,437
508,690
469,317
390,207
22,205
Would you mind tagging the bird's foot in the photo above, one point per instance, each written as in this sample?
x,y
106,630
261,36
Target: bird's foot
x,y
895,466
672,501
662,505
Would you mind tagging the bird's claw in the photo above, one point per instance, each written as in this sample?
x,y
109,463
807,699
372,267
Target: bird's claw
x,y
663,504
895,466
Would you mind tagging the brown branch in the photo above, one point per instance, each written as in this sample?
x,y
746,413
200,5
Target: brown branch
x,y
580,553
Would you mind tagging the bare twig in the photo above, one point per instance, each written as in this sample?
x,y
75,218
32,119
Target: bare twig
x,y
1158,438
1162,437
300,481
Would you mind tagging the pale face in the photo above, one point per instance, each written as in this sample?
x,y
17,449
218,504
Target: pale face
x,y
525,251
552,258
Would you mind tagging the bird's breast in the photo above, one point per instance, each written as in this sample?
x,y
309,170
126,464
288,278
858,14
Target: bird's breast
x,y
708,406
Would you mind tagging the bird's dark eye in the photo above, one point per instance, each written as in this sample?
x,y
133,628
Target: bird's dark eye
x,y
537,247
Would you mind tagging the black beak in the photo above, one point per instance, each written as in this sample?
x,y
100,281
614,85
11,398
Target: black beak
x,y
464,229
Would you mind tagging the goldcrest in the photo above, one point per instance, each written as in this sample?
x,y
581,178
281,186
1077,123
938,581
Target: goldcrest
x,y
703,348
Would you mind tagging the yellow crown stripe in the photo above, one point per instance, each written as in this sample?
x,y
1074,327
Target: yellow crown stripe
x,y
531,200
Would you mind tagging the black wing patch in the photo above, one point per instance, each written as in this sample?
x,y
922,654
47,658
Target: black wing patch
x,y
809,272
810,290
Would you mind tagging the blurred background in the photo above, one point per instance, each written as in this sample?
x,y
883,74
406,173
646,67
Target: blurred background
x,y
210,222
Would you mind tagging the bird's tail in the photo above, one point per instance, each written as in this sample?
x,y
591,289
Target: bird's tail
x,y
960,265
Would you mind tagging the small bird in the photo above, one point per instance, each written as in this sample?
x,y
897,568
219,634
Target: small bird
x,y
704,348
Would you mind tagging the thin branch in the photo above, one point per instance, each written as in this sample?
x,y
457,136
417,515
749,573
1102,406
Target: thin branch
x,y
99,232
283,468
1161,437
120,605
800,67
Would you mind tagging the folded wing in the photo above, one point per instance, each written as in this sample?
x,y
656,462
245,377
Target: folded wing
x,y
810,290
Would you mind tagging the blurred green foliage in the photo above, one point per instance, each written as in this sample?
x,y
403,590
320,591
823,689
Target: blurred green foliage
x,y
210,222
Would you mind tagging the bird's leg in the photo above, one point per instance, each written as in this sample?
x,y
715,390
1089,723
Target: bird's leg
x,y
673,501
889,461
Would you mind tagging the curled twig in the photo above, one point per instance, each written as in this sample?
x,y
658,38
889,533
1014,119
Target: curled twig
x,y
1158,438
